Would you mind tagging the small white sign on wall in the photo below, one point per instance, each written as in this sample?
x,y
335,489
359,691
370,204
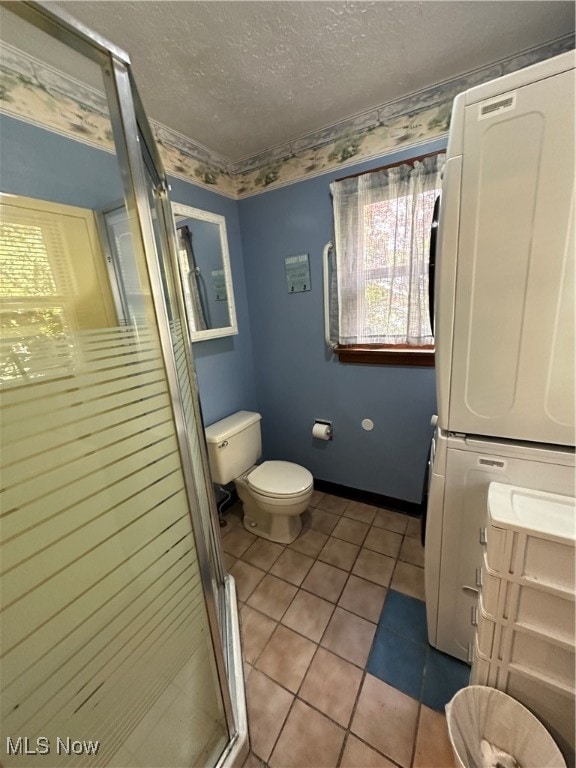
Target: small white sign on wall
x,y
297,273
219,283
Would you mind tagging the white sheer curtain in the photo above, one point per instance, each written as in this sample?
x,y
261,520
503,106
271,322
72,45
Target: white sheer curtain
x,y
382,225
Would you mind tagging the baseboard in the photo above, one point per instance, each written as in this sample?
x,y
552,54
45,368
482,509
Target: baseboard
x,y
367,497
354,494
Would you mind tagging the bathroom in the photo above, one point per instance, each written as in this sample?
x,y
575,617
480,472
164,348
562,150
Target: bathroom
x,y
277,364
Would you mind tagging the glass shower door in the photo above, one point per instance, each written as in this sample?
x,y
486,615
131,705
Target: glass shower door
x,y
110,648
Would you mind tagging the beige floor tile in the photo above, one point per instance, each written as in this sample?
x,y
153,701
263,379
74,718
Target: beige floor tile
x,y
325,581
268,705
379,540
256,629
272,596
392,521
331,685
335,504
363,513
432,741
308,740
292,566
228,560
309,542
363,598
263,553
286,657
316,498
351,530
374,567
413,527
412,551
320,520
247,579
349,636
340,553
360,755
409,579
309,615
253,761
237,542
386,718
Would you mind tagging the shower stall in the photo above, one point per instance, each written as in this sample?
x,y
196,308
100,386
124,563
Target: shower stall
x,y
119,641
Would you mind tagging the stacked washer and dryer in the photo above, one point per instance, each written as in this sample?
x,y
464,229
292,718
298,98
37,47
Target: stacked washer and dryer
x,y
504,327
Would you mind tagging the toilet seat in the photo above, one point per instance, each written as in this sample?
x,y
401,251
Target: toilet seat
x,y
280,479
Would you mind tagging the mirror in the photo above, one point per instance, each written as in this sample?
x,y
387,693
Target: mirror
x,y
204,263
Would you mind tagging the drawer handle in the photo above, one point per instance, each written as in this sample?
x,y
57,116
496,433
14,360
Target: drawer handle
x,y
483,536
474,616
470,654
479,577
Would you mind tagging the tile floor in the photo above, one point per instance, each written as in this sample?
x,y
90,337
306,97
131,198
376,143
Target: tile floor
x,y
338,669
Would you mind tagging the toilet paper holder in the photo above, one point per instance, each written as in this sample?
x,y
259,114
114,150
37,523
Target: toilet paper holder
x,y
322,429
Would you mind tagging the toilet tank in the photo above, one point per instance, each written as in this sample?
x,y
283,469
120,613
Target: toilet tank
x,y
234,445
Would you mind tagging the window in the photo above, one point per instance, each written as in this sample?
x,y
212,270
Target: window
x,y
382,222
51,283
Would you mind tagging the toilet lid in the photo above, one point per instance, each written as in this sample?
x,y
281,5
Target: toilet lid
x,y
280,478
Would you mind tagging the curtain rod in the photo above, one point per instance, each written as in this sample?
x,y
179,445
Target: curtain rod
x,y
411,161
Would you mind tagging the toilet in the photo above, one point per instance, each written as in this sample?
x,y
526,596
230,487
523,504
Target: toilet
x,y
273,494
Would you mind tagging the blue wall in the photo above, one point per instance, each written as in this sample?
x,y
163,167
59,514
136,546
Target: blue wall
x,y
44,165
225,367
278,363
298,380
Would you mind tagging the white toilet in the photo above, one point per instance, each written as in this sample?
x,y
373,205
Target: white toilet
x,y
273,494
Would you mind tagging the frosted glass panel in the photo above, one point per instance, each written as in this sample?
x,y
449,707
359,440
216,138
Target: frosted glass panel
x,y
105,645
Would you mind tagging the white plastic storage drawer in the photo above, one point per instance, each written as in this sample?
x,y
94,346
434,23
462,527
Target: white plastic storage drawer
x,y
531,606
484,671
531,536
537,654
494,588
552,704
488,634
542,612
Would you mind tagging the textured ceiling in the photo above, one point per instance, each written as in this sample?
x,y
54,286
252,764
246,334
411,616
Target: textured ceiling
x,y
240,77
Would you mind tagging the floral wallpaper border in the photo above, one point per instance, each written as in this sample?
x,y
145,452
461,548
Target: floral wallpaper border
x,y
37,93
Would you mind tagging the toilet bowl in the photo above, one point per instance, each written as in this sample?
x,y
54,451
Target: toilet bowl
x,y
273,494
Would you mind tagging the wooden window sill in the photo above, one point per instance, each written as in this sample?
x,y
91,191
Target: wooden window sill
x,y
419,356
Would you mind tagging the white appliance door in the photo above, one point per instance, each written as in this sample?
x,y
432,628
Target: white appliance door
x,y
467,467
513,346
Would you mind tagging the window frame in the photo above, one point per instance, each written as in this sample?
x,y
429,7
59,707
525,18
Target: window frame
x,y
388,354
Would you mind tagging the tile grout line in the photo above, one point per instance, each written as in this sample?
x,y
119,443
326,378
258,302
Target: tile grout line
x,y
334,604
296,695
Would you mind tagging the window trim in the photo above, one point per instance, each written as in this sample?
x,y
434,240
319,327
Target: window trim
x,y
374,354
392,354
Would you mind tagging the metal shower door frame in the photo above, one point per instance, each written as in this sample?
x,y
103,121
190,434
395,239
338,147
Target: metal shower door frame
x,y
134,144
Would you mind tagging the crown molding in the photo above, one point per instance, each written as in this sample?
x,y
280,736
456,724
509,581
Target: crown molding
x,y
40,94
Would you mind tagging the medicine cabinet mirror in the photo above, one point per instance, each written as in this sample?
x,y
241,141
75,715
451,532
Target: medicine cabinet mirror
x,y
204,263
